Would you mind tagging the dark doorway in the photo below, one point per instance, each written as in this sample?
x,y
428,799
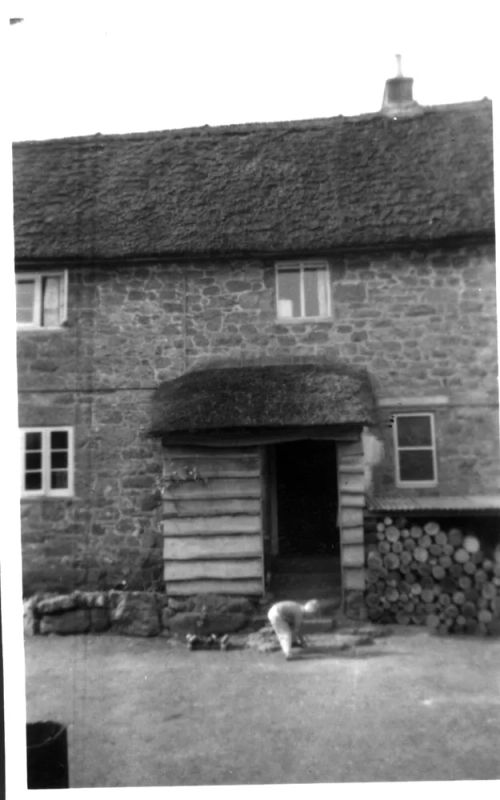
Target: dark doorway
x,y
306,499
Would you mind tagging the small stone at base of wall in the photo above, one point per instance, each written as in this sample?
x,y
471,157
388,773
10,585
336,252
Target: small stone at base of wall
x,y
211,603
184,622
220,604
241,605
66,622
354,605
67,602
99,620
53,605
178,605
203,623
91,599
31,621
136,614
223,623
166,614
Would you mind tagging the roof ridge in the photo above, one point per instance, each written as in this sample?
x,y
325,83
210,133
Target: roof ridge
x,y
233,129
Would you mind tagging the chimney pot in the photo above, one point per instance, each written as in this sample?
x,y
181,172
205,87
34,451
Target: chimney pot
x,y
398,95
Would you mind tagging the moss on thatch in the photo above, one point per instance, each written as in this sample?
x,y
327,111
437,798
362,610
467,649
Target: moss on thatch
x,y
280,187
263,396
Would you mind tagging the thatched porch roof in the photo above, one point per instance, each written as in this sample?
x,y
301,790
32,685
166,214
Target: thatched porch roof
x,y
256,397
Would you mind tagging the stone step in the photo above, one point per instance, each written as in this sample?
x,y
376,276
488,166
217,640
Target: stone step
x,y
305,576
304,565
305,583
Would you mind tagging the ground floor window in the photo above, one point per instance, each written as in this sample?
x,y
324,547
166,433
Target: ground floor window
x,y
46,462
415,450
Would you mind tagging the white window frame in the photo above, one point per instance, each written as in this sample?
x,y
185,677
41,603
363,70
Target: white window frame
x,y
46,490
37,278
432,447
301,267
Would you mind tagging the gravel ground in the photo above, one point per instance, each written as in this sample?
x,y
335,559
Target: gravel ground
x,y
147,712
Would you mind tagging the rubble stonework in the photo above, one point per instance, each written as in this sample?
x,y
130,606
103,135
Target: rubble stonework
x,y
136,614
151,614
66,622
421,322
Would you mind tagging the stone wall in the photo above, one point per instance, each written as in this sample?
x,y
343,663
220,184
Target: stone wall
x,y
136,613
422,323
467,450
108,533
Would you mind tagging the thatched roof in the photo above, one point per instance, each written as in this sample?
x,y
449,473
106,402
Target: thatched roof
x,y
251,397
310,186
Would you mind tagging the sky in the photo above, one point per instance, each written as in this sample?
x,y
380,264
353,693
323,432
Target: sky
x,y
78,68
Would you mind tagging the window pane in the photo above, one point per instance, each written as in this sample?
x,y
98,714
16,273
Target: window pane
x,y
58,480
51,301
416,465
32,481
316,292
414,431
59,440
33,441
323,292
289,293
25,297
33,460
59,460
311,292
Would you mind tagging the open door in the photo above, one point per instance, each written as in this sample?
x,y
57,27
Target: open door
x,y
306,498
305,537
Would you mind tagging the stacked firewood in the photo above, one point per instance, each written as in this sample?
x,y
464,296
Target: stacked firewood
x,y
423,575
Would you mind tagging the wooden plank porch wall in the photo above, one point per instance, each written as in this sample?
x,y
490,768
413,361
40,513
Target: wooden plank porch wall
x,y
212,521
350,466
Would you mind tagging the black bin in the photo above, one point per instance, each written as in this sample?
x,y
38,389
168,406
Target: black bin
x,y
47,755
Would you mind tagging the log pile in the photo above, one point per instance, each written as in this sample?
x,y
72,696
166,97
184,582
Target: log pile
x,y
423,575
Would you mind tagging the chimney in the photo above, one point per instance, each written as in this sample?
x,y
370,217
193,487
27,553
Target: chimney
x,y
398,96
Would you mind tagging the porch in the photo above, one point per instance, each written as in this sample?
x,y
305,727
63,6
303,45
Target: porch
x,y
254,499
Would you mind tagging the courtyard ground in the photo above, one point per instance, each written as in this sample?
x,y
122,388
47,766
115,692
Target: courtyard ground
x,y
411,706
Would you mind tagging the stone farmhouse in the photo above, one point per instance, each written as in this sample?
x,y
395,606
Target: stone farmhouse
x,y
240,347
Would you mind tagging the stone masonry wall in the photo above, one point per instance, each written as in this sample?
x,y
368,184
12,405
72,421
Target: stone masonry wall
x,y
421,323
107,533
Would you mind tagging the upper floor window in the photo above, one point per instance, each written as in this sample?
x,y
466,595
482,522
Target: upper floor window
x,y
41,299
415,449
47,462
303,290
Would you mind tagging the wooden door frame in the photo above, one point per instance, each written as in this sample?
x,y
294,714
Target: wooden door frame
x,y
273,501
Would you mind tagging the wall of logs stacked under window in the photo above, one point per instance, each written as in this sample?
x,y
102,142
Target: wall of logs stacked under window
x,y
425,574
